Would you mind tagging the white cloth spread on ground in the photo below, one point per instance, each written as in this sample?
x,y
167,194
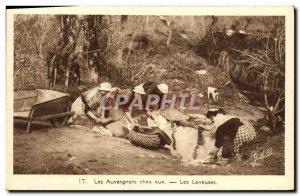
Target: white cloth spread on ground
x,y
186,140
98,128
102,130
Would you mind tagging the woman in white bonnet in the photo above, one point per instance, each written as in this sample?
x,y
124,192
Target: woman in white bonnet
x,y
90,100
238,132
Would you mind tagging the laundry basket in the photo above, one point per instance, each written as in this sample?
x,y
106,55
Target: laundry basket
x,y
144,140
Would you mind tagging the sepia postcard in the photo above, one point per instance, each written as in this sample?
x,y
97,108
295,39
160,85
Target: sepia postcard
x,y
150,98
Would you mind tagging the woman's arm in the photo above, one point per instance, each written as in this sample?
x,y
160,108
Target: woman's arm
x,y
91,115
214,153
113,89
102,113
128,116
207,127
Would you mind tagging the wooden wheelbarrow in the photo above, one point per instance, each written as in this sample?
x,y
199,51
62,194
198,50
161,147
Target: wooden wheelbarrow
x,y
42,105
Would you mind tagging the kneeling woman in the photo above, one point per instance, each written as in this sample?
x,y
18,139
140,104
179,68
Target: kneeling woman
x,y
90,100
237,132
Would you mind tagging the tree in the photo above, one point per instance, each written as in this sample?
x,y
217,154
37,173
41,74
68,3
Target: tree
x,y
64,52
95,44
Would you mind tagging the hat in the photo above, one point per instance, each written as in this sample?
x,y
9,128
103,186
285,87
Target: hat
x,y
105,86
213,109
163,88
139,89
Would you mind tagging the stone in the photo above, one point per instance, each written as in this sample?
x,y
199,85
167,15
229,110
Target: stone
x,y
116,128
201,95
201,72
174,115
72,158
265,129
262,109
92,160
227,83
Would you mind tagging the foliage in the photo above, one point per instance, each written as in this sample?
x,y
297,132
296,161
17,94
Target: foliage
x,y
254,60
34,38
129,50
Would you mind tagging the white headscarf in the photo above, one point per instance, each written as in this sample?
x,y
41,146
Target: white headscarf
x,y
220,119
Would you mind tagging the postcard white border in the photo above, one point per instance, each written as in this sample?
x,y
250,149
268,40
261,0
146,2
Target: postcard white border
x,y
70,182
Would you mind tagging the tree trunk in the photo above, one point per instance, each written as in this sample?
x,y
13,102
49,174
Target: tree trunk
x,y
94,75
54,79
97,44
67,77
64,52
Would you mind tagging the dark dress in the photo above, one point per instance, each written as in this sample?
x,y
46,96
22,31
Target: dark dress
x,y
152,89
225,135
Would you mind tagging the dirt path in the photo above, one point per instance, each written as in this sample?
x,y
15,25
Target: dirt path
x,y
64,150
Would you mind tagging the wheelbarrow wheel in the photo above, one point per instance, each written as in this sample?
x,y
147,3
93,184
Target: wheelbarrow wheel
x,y
58,122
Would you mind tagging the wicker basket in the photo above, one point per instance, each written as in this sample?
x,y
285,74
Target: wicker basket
x,y
144,140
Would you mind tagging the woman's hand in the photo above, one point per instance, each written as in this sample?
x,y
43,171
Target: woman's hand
x,y
131,126
115,89
98,121
103,120
99,112
149,113
153,114
214,153
205,127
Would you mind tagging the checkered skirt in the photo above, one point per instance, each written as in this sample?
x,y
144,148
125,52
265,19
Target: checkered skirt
x,y
244,134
